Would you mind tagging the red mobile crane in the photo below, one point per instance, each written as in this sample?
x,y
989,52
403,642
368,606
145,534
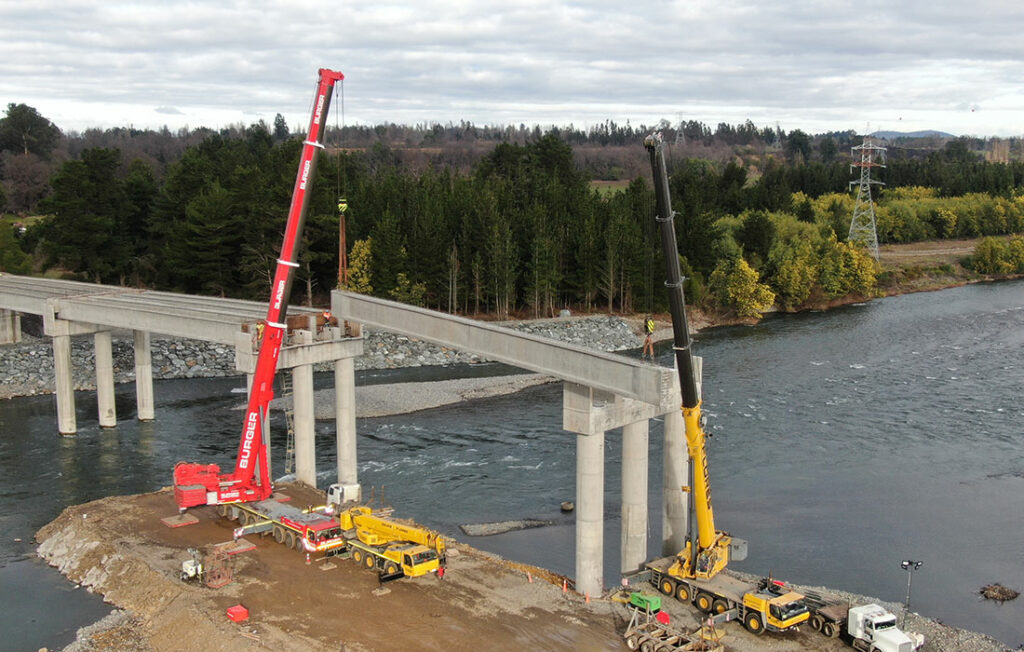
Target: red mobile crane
x,y
203,484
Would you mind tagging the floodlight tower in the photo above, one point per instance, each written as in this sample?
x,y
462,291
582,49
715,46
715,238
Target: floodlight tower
x,y
862,226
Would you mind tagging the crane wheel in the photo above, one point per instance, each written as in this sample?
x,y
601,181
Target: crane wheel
x,y
632,641
704,602
278,534
752,621
391,568
683,593
719,606
357,556
830,630
648,645
667,586
816,622
223,510
369,562
289,539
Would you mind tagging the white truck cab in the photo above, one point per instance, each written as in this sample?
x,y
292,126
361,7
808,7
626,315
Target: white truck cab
x,y
873,628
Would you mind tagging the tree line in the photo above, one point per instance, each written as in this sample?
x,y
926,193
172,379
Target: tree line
x,y
522,231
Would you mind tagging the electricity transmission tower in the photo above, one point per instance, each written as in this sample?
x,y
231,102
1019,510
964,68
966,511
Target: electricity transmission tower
x,y
862,226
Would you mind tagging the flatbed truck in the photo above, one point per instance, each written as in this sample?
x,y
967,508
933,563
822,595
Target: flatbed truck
x,y
311,530
868,627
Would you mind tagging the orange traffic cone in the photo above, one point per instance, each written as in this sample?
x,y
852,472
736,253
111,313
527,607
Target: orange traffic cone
x,y
307,558
565,585
529,577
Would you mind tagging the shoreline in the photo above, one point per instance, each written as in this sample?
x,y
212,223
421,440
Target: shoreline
x,y
136,569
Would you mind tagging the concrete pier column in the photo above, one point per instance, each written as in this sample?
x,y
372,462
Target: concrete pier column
x,y
63,385
590,514
10,327
634,496
144,405
104,360
345,417
675,475
305,432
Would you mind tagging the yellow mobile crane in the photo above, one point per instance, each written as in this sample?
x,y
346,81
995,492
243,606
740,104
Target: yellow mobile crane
x,y
696,574
395,549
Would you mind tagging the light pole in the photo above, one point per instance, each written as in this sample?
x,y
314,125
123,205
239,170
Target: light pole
x,y
910,566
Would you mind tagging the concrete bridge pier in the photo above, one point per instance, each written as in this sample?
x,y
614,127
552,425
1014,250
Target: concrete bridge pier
x,y
304,420
61,331
345,423
675,521
633,550
104,361
302,349
590,513
590,413
10,327
144,404
64,388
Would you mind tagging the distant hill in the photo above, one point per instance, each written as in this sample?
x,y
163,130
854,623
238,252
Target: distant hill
x,y
928,133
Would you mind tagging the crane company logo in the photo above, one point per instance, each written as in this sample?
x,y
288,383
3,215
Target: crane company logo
x,y
278,295
319,108
250,433
305,174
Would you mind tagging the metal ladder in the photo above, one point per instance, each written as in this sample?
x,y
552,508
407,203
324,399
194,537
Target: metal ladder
x,y
289,418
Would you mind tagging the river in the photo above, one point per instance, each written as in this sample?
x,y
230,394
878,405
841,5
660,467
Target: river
x,y
843,442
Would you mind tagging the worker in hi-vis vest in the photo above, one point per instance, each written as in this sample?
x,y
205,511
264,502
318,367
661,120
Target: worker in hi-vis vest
x,y
649,339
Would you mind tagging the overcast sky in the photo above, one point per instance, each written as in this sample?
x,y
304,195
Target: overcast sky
x,y
819,65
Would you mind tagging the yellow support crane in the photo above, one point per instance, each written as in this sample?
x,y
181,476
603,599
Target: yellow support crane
x,y
696,574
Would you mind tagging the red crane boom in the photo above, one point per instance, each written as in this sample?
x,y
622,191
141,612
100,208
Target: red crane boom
x,y
203,484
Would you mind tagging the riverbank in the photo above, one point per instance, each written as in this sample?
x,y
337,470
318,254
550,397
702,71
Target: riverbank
x,y
118,547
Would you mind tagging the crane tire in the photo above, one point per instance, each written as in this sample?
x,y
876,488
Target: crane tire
x,y
391,568
830,630
369,562
667,586
683,592
816,622
357,556
278,534
704,601
752,621
719,606
289,539
648,645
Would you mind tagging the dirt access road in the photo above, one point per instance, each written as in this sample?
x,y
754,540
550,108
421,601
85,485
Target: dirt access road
x,y
119,548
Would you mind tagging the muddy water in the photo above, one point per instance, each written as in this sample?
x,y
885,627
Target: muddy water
x,y
843,442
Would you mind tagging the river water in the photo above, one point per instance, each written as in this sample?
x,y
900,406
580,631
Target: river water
x,y
842,443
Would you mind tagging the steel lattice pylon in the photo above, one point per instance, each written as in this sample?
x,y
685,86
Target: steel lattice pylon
x,y
862,226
